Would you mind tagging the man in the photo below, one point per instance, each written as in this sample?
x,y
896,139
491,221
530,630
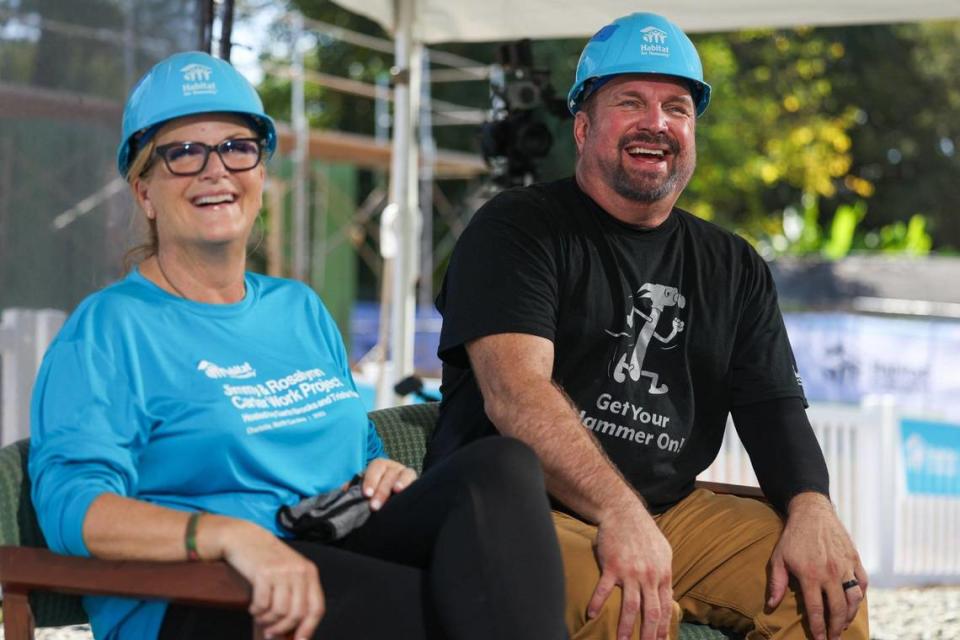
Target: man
x,y
614,333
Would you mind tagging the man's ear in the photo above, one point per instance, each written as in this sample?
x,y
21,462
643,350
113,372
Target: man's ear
x,y
581,125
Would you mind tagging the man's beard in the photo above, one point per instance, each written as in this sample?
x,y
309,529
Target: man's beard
x,y
645,187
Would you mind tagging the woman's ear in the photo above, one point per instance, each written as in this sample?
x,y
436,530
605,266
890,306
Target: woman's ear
x,y
141,193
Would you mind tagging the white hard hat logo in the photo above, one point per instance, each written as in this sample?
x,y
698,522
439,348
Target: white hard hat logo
x,y
237,371
654,42
654,35
196,73
196,80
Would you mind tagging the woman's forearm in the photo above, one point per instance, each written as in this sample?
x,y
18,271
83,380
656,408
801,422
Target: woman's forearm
x,y
125,529
121,528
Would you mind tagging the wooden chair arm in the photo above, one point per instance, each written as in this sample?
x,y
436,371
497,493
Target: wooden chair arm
x,y
741,490
26,569
202,583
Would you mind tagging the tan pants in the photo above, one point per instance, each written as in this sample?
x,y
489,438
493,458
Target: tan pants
x,y
721,547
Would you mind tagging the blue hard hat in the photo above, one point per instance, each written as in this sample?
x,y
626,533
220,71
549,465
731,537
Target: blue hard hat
x,y
638,43
185,84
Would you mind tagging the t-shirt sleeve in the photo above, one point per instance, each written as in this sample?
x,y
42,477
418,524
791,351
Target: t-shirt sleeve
x,y
84,441
763,365
374,443
502,276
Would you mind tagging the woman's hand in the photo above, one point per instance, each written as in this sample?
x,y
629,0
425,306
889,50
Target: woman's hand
x,y
287,596
383,478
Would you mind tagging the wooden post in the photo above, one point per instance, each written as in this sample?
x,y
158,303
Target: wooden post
x,y
18,621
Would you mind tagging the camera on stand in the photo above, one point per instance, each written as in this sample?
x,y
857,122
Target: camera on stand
x,y
515,138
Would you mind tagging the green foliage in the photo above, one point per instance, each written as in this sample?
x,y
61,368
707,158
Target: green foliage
x,y
904,79
769,134
845,221
910,238
801,234
840,115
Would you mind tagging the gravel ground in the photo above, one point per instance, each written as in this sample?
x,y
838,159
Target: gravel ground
x,y
931,613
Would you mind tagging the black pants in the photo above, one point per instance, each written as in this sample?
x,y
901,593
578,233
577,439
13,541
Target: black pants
x,y
467,551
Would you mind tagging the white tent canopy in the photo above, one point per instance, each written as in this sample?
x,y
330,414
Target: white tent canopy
x,y
415,23
497,20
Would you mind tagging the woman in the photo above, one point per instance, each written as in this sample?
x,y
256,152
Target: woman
x,y
181,407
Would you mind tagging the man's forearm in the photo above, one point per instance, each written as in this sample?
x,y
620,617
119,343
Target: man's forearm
x,y
513,372
577,471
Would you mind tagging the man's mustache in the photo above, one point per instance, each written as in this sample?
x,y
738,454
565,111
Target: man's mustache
x,y
651,138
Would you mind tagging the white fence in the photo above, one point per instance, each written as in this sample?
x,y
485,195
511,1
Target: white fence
x,y
903,537
24,336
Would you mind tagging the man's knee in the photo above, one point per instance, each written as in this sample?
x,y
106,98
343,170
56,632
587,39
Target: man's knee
x,y
581,575
604,625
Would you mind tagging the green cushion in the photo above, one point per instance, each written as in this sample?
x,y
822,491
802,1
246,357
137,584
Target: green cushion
x,y
405,430
12,469
692,631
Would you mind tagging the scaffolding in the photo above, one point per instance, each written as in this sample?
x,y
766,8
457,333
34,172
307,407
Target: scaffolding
x,y
66,218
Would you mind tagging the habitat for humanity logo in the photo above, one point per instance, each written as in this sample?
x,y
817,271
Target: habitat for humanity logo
x,y
196,80
654,42
927,458
237,371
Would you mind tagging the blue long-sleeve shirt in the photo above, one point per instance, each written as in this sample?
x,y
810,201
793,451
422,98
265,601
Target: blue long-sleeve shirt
x,y
233,409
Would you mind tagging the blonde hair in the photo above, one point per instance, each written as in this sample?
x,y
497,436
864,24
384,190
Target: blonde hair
x,y
138,169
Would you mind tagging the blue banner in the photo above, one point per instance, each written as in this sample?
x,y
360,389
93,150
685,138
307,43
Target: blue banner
x,y
931,456
846,357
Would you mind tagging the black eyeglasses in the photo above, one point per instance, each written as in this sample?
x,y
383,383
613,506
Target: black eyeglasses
x,y
190,158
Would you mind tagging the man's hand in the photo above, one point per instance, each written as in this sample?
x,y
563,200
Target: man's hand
x,y
816,549
633,553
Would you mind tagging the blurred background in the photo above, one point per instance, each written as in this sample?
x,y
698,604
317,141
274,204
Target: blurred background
x,y
833,149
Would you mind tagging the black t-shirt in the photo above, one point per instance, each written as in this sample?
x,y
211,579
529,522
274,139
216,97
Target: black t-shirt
x,y
657,333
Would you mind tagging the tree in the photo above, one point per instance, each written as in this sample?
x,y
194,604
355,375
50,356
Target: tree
x,y
772,132
839,116
903,79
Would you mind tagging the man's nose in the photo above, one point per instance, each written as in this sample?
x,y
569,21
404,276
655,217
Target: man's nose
x,y
653,118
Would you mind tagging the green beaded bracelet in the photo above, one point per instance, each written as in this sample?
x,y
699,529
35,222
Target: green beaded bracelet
x,y
190,539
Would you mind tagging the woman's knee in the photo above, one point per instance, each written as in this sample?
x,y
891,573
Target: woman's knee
x,y
503,461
